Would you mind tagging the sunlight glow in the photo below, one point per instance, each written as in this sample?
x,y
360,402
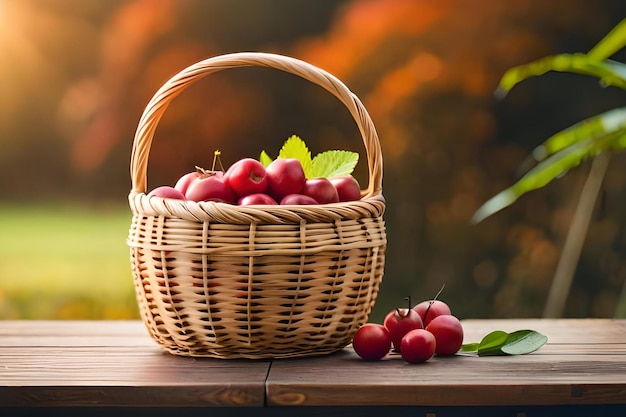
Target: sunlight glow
x,y
3,19
23,62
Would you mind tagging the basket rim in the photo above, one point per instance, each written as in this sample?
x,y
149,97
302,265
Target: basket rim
x,y
157,106
218,212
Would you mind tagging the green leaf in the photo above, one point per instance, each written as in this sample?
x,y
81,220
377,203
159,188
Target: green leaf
x,y
470,347
265,159
501,343
549,169
614,41
326,164
294,147
609,72
330,164
491,343
523,342
596,126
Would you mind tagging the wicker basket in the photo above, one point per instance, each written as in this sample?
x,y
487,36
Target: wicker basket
x,y
230,281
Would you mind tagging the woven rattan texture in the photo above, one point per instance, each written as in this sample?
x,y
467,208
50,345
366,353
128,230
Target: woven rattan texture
x,y
228,281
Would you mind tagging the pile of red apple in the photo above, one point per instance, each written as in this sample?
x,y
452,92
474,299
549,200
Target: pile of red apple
x,y
416,333
249,182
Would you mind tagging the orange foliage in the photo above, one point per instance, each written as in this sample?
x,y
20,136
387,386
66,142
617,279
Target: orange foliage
x,y
126,40
362,26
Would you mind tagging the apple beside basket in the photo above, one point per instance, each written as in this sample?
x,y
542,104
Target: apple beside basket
x,y
228,281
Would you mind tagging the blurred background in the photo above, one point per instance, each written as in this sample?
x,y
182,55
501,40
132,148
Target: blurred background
x,y
75,76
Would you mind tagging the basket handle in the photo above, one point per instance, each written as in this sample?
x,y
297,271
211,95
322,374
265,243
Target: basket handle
x,y
175,85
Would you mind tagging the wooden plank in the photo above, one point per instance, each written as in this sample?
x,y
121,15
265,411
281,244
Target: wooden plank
x,y
559,373
115,364
37,328
125,377
111,363
74,333
617,350
346,380
558,330
87,340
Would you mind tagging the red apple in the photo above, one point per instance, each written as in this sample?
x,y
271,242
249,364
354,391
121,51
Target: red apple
x,y
348,188
165,191
418,346
284,176
246,176
372,341
430,309
297,199
256,199
209,187
448,333
183,182
321,190
399,322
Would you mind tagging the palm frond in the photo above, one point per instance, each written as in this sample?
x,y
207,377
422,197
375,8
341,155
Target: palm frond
x,y
610,73
613,42
569,147
549,169
602,124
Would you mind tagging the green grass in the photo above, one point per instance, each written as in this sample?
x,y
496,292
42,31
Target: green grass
x,y
65,262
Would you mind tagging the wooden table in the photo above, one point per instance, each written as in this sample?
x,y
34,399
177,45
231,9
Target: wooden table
x,y
112,367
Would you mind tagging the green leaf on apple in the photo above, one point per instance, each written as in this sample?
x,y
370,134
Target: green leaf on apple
x,y
327,164
500,343
330,164
265,159
294,147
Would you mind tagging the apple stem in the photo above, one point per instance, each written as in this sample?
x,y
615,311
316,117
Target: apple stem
x,y
431,302
216,157
440,291
400,312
